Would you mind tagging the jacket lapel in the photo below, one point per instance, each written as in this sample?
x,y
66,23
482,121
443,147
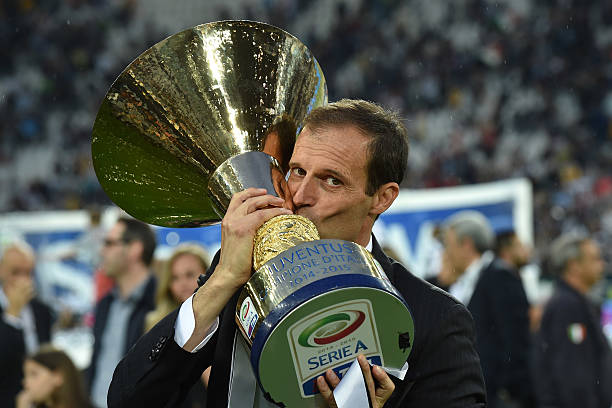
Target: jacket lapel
x,y
383,259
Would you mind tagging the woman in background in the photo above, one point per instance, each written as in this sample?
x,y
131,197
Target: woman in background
x,y
51,381
178,281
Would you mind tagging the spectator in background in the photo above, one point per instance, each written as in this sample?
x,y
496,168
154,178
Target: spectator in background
x,y
52,381
468,237
120,316
573,357
88,250
447,275
501,314
179,280
25,321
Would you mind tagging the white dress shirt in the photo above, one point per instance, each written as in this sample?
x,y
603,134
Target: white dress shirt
x,y
24,322
463,288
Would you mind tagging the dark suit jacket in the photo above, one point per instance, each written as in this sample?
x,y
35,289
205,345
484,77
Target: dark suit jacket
x,y
12,351
135,323
503,341
573,359
444,366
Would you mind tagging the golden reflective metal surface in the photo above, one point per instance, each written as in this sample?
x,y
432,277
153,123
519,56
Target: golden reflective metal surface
x,y
199,101
281,233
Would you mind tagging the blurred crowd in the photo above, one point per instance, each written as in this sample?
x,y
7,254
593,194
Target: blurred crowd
x,y
134,295
58,59
489,90
532,355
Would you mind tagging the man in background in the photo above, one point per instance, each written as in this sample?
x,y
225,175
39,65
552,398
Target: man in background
x,y
468,239
119,318
573,357
501,313
25,322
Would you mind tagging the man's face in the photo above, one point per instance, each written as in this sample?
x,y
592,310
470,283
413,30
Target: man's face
x,y
455,251
115,251
519,253
185,271
14,266
590,263
328,179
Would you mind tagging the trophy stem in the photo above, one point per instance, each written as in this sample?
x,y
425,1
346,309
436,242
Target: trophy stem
x,y
245,170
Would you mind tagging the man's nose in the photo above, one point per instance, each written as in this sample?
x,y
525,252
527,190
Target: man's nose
x,y
304,192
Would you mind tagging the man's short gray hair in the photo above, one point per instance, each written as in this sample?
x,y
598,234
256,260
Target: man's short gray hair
x,y
473,225
565,248
18,245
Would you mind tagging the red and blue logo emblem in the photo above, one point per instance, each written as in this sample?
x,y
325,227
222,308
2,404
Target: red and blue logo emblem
x,y
331,328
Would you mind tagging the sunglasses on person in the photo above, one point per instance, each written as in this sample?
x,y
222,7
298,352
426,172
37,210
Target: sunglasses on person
x,y
112,242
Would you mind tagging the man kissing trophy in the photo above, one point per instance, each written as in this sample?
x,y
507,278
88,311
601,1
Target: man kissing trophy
x,y
215,110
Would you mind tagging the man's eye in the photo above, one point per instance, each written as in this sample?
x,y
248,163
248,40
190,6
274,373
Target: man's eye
x,y
298,171
332,181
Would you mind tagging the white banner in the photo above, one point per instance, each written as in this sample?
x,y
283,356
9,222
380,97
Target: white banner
x,y
67,246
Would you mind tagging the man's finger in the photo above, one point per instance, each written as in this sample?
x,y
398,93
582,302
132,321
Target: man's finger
x,y
367,375
385,386
31,293
332,378
26,287
241,196
323,387
269,213
252,204
325,391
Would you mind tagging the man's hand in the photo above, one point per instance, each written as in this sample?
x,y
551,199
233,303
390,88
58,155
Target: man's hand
x,y
247,211
380,386
19,293
23,400
448,274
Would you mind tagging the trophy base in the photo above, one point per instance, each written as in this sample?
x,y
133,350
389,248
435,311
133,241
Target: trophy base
x,y
314,307
328,332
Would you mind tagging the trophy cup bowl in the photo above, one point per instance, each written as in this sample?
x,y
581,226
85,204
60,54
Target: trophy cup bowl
x,y
209,112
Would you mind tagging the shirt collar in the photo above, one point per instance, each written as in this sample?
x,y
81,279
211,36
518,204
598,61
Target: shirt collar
x,y
3,299
464,287
369,246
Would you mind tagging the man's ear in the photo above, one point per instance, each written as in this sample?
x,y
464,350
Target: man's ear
x,y
384,197
570,267
468,245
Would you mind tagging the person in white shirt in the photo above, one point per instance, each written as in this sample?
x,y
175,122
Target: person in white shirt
x,y
25,322
468,240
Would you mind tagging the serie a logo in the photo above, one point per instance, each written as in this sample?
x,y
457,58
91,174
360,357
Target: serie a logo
x,y
332,338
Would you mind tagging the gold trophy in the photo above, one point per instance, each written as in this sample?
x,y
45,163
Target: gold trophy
x,y
214,110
